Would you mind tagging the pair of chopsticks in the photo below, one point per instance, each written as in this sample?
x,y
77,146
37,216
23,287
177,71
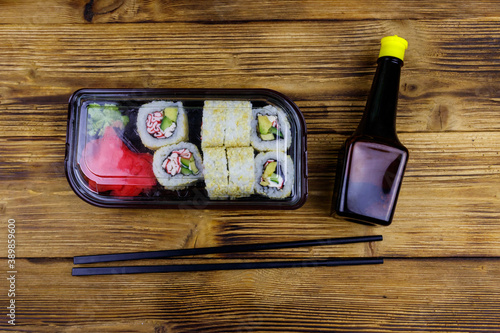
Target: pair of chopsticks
x,y
80,271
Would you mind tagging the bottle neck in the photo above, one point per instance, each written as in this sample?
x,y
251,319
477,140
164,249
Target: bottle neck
x,y
379,118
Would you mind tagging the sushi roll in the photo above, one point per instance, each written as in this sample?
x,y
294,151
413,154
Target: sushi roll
x,y
162,123
226,123
241,172
274,174
215,172
238,124
270,129
214,124
178,166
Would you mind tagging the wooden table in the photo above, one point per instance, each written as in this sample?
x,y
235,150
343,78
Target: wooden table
x,y
442,252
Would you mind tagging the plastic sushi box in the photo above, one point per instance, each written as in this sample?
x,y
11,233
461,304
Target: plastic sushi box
x,y
186,148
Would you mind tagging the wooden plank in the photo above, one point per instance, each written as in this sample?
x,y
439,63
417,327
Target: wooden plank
x,y
449,205
126,11
326,67
455,295
322,54
340,114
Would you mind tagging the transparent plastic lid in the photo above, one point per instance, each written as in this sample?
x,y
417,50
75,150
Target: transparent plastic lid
x,y
186,148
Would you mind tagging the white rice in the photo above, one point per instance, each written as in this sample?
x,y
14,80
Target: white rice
x,y
178,181
241,171
279,144
180,133
286,164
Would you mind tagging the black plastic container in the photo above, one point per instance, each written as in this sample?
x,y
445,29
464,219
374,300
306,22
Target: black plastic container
x,y
110,141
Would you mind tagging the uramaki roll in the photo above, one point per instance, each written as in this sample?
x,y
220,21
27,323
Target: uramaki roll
x,y
162,123
241,171
178,166
226,124
238,124
215,173
270,129
213,124
274,174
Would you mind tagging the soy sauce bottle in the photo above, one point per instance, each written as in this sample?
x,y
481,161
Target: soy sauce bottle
x,y
372,161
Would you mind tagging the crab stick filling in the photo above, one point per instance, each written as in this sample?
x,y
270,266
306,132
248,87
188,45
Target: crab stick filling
x,y
180,162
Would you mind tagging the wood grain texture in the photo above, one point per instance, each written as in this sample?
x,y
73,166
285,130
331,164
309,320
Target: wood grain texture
x,y
326,67
452,183
126,11
442,250
400,295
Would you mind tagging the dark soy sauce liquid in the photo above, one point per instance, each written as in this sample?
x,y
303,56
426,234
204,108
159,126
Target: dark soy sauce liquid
x,y
372,175
372,161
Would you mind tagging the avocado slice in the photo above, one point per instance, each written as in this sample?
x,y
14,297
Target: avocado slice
x,y
270,169
264,183
165,123
193,167
267,137
171,113
264,124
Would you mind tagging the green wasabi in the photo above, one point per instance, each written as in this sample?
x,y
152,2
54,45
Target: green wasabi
x,y
102,116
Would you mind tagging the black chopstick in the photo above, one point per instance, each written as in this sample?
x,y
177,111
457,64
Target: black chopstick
x,y
81,271
220,249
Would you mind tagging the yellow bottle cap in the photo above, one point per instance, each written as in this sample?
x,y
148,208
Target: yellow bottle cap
x,y
393,46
